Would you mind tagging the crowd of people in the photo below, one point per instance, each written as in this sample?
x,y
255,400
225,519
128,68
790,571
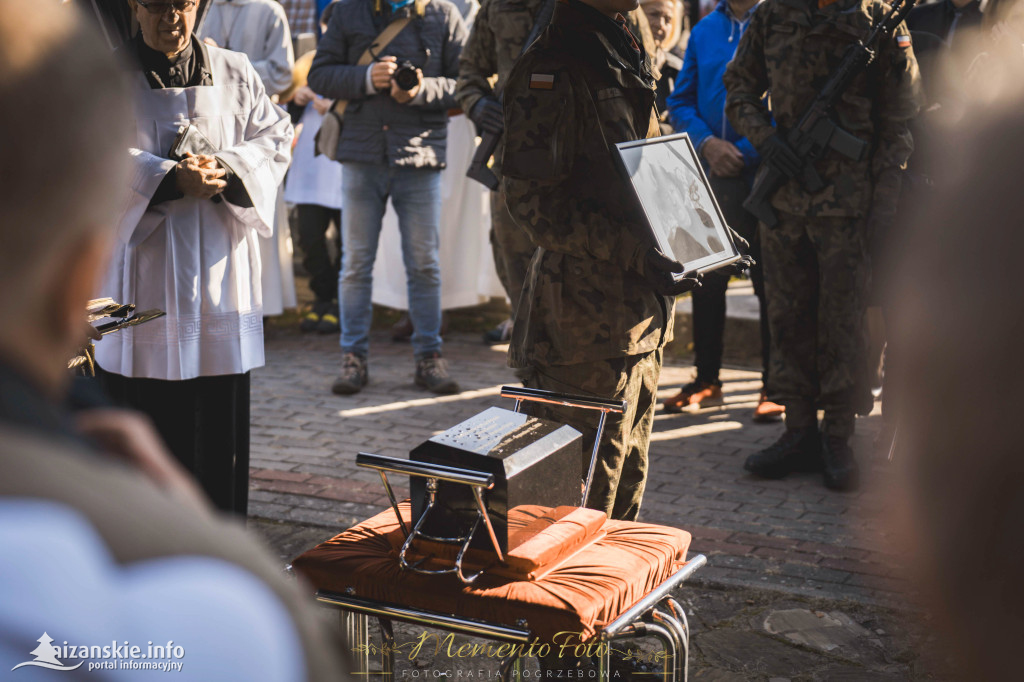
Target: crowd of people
x,y
377,97
199,230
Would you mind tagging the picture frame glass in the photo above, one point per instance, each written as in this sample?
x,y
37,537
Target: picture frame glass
x,y
676,197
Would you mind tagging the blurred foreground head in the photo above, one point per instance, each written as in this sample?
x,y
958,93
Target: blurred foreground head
x,y
63,132
959,326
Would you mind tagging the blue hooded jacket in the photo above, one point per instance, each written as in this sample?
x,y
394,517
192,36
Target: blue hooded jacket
x,y
697,104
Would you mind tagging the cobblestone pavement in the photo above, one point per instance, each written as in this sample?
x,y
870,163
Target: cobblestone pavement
x,y
792,536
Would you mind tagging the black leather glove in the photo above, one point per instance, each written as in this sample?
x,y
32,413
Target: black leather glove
x,y
781,155
736,267
742,245
487,116
660,271
744,263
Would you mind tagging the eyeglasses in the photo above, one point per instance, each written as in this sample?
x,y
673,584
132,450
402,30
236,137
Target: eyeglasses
x,y
160,8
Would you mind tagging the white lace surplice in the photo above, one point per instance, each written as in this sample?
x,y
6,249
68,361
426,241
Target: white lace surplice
x,y
196,259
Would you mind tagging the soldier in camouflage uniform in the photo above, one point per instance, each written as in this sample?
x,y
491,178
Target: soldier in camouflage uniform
x,y
495,43
815,259
597,303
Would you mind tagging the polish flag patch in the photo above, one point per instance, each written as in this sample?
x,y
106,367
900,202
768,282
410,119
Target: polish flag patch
x,y
542,81
903,41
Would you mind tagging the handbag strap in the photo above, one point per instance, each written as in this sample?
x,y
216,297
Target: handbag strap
x,y
378,44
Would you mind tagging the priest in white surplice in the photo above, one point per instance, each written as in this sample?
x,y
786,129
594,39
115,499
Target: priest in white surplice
x,y
188,245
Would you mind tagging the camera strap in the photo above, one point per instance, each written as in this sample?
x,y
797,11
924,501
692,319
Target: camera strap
x,y
378,44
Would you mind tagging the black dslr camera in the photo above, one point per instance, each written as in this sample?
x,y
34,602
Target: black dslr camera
x,y
405,75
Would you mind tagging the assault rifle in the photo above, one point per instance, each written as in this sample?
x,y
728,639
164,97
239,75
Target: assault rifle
x,y
478,169
817,132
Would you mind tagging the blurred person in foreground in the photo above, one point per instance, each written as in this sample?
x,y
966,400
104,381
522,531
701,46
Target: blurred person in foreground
x,y
816,263
961,492
598,300
187,243
105,537
392,146
697,107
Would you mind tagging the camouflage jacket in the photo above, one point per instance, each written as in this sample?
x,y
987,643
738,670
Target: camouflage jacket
x,y
789,50
575,93
495,43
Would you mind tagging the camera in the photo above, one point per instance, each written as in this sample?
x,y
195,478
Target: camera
x,y
405,75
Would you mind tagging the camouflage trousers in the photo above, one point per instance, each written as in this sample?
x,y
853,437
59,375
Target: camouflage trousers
x,y
621,471
816,273
512,250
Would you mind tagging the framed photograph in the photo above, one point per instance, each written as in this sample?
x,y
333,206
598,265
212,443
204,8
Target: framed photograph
x,y
681,210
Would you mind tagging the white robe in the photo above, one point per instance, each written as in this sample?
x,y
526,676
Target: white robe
x,y
259,28
312,179
196,259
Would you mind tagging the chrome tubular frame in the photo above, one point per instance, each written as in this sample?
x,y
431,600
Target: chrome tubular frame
x,y
643,619
477,482
653,598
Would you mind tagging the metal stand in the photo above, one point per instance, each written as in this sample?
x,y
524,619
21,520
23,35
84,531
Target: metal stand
x,y
477,481
655,615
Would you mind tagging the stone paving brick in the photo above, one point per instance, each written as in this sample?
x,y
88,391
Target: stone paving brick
x,y
272,475
791,535
860,567
268,510
785,555
818,573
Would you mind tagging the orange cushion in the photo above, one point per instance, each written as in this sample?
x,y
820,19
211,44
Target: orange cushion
x,y
540,539
588,590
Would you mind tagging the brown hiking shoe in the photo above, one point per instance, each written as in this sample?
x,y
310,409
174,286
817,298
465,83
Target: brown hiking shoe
x,y
354,375
695,395
767,411
432,374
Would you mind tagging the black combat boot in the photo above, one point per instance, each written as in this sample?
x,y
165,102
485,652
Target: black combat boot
x,y
839,464
799,449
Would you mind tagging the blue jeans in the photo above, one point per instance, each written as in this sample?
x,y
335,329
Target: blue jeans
x,y
416,195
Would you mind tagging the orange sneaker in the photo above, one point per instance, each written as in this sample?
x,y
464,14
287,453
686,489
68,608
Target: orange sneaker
x,y
695,395
767,411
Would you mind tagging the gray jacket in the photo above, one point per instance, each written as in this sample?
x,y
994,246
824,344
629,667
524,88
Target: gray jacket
x,y
377,128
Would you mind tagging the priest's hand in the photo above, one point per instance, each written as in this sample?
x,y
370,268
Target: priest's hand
x,y
200,176
130,436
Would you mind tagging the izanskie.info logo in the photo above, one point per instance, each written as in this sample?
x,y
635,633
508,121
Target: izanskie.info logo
x,y
114,656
